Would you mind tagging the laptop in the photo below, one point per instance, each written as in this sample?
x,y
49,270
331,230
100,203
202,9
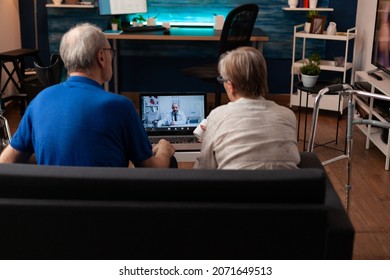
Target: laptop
x,y
173,116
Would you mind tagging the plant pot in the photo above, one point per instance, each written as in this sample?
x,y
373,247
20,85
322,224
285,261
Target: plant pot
x,y
308,81
114,26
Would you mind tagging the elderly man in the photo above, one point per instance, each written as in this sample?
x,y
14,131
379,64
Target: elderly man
x,y
78,123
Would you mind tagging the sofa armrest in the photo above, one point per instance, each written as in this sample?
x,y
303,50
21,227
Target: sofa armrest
x,y
310,160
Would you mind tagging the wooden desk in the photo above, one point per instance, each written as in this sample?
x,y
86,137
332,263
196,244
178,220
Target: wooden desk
x,y
177,34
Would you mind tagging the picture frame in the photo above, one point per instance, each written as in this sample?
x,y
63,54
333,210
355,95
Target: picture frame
x,y
317,24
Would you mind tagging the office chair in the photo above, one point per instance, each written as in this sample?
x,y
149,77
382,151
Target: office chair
x,y
236,32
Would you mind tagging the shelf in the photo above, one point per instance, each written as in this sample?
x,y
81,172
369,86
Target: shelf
x,y
327,65
375,137
383,85
307,9
373,134
78,6
340,36
328,102
332,103
366,108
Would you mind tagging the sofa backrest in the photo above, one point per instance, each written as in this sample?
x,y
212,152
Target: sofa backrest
x,y
49,212
86,183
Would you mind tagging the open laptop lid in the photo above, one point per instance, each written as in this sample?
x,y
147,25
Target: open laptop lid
x,y
158,119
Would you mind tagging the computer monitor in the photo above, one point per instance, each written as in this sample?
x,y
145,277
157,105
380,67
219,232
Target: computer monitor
x,y
122,7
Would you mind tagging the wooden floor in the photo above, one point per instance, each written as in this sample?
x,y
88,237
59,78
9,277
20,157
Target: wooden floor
x,y
369,207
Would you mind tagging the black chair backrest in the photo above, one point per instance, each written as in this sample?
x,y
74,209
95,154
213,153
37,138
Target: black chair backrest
x,y
238,27
52,74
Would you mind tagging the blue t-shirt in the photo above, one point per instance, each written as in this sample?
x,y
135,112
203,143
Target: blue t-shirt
x,y
77,123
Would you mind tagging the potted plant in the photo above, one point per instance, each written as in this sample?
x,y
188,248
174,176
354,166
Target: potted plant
x,y
115,21
309,16
138,21
310,70
151,21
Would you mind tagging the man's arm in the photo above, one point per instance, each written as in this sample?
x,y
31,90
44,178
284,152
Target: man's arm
x,y
11,155
163,153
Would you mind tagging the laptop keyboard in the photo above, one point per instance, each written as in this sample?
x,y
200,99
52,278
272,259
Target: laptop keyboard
x,y
175,139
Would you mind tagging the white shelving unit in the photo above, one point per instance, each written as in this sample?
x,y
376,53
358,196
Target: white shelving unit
x,y
373,134
328,102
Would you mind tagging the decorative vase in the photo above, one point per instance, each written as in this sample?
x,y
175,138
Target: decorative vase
x,y
307,27
293,3
313,4
308,81
331,30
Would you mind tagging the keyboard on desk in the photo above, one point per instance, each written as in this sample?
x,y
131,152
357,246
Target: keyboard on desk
x,y
130,29
174,139
180,143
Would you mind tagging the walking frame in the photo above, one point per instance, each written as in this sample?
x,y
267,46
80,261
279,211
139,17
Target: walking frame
x,y
348,91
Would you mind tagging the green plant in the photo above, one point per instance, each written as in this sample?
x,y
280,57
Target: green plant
x,y
311,66
139,18
310,14
115,19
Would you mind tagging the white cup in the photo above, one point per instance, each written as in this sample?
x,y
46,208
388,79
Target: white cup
x,y
167,25
151,21
218,22
57,2
198,132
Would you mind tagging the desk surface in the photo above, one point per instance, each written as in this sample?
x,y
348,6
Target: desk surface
x,y
184,34
18,53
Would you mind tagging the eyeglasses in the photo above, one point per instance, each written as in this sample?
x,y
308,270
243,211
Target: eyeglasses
x,y
112,51
222,80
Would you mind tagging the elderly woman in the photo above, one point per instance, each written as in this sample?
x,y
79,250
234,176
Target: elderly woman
x,y
249,132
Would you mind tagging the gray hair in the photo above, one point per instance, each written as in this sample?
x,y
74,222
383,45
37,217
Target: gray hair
x,y
246,69
80,45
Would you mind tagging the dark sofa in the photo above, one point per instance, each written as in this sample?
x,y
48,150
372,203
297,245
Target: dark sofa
x,y
49,212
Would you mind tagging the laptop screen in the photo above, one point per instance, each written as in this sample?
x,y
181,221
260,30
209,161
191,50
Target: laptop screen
x,y
172,113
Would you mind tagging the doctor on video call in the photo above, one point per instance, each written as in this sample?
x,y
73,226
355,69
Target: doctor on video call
x,y
175,117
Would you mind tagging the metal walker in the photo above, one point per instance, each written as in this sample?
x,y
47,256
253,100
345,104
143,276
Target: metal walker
x,y
345,90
